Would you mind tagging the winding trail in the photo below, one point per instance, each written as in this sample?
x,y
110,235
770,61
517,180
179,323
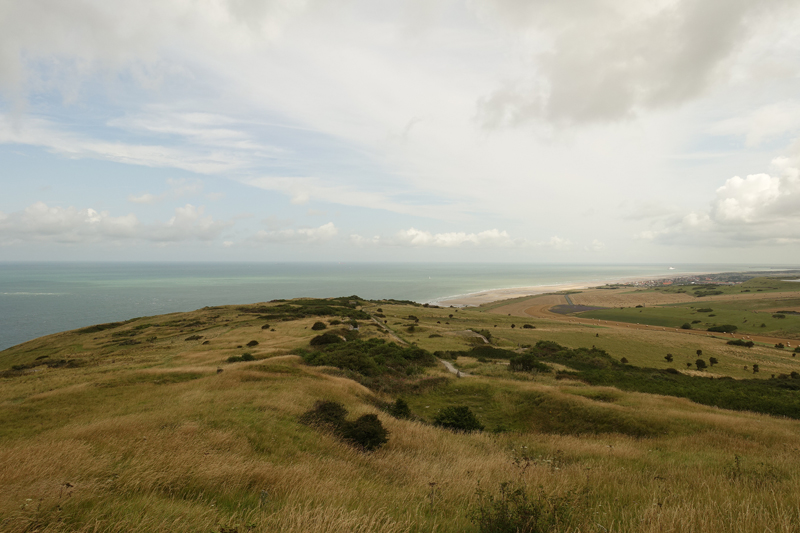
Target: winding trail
x,y
453,369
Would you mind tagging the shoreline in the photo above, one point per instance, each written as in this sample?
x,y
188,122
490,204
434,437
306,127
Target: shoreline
x,y
476,299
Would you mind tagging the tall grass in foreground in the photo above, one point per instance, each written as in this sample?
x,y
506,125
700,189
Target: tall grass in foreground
x,y
226,453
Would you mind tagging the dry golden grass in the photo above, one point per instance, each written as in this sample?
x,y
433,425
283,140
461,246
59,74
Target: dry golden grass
x,y
159,441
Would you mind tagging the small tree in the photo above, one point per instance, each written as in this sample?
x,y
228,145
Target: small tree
x,y
458,418
668,357
712,361
701,365
688,365
624,361
366,431
400,409
755,369
699,353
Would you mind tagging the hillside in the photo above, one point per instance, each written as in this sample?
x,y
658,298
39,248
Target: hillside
x,y
199,422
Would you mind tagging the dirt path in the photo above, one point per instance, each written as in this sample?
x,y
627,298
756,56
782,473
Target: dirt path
x,y
453,370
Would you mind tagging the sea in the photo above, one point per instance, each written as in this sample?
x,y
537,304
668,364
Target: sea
x,y
38,299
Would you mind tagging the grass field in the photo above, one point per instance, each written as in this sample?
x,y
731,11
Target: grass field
x,y
134,427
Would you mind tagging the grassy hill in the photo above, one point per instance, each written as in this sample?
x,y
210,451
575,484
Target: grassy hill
x,y
195,422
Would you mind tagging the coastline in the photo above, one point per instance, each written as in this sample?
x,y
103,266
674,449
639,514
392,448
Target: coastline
x,y
476,299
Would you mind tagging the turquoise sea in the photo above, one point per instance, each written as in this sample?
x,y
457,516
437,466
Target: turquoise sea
x,y
41,298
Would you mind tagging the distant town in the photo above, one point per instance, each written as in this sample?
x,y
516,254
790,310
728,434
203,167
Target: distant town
x,y
724,278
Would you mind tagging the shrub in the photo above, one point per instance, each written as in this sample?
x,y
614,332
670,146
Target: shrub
x,y
399,409
712,361
668,357
526,363
252,343
265,326
755,369
699,353
725,328
624,361
778,316
515,510
701,365
194,338
696,321
704,310
686,325
325,413
247,356
334,322
529,326
326,338
458,418
780,346
366,432
513,326
318,326
234,359
740,342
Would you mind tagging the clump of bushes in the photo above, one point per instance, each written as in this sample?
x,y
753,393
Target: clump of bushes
x,y
399,409
740,342
515,509
725,328
318,326
239,358
252,343
458,418
365,432
326,338
334,322
528,326
527,363
265,326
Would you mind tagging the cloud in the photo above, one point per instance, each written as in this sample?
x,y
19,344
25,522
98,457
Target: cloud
x,y
763,124
322,234
42,223
413,237
605,61
757,209
178,188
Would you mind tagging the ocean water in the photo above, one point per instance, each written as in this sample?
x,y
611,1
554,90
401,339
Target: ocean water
x,y
42,298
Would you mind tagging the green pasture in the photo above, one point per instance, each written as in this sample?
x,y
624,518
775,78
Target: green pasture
x,y
747,315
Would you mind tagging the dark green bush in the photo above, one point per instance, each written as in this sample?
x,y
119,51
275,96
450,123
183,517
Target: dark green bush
x,y
334,322
527,363
318,326
686,325
740,342
194,338
705,310
725,328
528,326
366,432
325,413
515,510
265,326
458,418
252,343
247,356
326,338
400,409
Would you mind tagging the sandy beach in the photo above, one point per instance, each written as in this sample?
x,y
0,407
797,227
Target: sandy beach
x,y
494,295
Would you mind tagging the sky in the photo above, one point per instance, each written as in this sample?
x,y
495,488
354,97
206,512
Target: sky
x,y
592,131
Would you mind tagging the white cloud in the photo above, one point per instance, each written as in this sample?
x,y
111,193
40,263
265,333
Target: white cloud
x,y
177,189
322,234
758,209
40,222
413,237
595,246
